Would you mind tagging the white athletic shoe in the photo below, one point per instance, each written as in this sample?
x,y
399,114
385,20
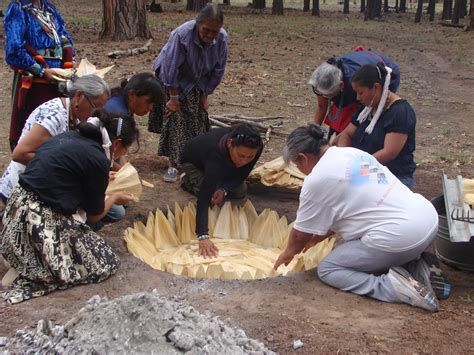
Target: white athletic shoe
x,y
411,291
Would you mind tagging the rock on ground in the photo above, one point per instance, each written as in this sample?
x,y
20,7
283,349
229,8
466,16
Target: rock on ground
x,y
138,323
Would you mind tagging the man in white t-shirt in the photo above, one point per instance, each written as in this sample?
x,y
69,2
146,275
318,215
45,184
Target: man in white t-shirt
x,y
384,225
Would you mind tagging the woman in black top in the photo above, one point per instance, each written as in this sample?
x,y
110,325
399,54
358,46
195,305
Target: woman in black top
x,y
216,164
384,126
42,241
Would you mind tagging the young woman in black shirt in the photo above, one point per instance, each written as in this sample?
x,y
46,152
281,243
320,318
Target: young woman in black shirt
x,y
216,165
42,241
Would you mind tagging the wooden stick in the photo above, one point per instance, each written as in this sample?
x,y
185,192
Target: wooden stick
x,y
218,123
235,104
240,120
250,118
130,51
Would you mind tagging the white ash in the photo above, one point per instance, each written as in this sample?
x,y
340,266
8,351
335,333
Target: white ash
x,y
138,323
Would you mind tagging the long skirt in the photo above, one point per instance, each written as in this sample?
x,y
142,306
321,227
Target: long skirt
x,y
181,126
49,250
24,101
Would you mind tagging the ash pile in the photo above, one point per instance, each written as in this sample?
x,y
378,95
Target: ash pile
x,y
138,323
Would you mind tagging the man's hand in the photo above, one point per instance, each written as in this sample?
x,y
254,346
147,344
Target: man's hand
x,y
218,197
207,249
48,75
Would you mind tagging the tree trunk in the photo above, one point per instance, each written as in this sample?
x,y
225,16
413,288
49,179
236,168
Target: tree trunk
x,y
124,19
456,12
346,7
385,6
403,6
199,4
431,9
315,11
258,4
362,6
378,9
419,11
463,10
305,5
277,8
471,26
447,10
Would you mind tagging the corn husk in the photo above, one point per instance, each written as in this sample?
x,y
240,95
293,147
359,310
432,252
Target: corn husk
x,y
246,250
126,180
277,173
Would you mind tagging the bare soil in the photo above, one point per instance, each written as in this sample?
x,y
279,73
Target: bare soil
x,y
270,60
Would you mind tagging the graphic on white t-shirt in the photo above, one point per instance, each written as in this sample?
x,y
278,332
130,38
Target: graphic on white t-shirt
x,y
365,170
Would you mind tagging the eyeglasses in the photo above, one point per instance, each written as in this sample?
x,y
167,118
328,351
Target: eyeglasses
x,y
91,103
317,93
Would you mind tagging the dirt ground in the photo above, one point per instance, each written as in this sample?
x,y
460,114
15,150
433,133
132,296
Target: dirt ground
x,y
270,61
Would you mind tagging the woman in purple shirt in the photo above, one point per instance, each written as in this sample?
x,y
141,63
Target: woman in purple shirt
x,y
191,65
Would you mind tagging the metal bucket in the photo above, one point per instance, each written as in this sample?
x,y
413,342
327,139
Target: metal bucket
x,y
459,255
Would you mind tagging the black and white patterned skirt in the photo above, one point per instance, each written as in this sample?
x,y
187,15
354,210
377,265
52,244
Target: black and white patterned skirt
x,y
178,128
49,250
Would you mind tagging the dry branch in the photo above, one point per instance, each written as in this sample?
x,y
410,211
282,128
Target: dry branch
x,y
229,120
130,51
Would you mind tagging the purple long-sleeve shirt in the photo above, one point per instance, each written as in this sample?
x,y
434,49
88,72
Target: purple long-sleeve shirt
x,y
185,61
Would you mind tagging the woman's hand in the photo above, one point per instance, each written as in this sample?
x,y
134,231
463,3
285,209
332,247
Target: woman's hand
x,y
112,175
284,258
204,103
207,249
121,198
218,197
49,75
172,106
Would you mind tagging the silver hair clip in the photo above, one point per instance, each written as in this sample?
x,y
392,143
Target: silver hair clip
x,y
119,127
378,71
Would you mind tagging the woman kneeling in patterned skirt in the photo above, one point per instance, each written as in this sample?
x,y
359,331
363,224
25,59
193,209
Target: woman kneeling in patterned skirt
x,y
48,248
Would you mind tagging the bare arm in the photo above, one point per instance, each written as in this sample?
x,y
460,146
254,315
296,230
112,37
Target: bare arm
x,y
321,110
393,145
118,198
27,147
296,243
344,139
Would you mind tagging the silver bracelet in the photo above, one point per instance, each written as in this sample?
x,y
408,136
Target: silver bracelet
x,y
174,97
202,237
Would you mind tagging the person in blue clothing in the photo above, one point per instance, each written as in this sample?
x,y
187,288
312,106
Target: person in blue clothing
x,y
331,82
36,40
385,124
136,96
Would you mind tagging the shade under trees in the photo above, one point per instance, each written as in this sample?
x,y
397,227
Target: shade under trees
x,y
124,19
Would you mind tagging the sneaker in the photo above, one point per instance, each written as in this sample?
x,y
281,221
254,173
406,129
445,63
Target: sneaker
x,y
411,291
171,175
429,269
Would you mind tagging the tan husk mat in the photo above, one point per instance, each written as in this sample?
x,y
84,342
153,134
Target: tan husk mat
x,y
278,174
249,243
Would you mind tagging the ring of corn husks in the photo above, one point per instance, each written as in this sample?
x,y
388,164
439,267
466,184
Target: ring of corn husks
x,y
249,243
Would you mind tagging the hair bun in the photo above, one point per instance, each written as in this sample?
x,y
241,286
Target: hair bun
x,y
316,131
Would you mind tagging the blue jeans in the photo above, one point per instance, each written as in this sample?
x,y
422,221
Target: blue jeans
x,y
116,213
406,180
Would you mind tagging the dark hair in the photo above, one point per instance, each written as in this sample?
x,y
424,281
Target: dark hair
x,y
246,135
306,139
210,12
370,74
142,84
128,131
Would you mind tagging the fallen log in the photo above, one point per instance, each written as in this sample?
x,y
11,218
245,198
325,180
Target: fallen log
x,y
130,51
